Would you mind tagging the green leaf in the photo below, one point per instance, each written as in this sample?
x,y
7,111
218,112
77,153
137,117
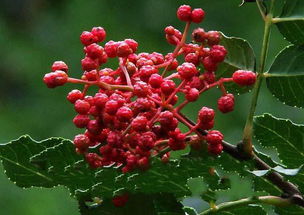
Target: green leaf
x,y
248,210
291,25
240,56
189,210
138,204
286,76
66,167
15,157
286,137
171,177
279,169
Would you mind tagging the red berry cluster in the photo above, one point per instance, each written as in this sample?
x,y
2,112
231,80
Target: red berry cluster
x,y
133,116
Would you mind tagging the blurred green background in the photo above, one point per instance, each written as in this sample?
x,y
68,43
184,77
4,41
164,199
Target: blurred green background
x,y
34,33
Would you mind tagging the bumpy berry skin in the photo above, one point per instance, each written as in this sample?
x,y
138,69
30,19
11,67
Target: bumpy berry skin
x,y
244,78
82,106
99,32
155,80
124,114
55,79
81,141
94,51
214,137
187,70
60,65
192,95
206,114
74,95
226,103
215,149
197,15
81,121
184,13
87,38
139,123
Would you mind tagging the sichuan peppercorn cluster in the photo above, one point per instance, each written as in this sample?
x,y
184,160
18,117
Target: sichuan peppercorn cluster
x,y
136,112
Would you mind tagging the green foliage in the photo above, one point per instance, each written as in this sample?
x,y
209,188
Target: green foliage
x,y
158,204
286,76
236,47
287,138
293,28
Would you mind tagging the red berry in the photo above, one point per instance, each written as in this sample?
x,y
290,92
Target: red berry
x,y
184,13
123,49
81,141
206,114
167,87
139,123
197,15
141,89
213,37
192,58
94,127
55,79
199,35
120,201
74,95
226,103
89,64
187,70
100,99
111,48
124,114
244,78
81,121
215,149
155,80
206,125
99,32
82,106
209,64
143,163
87,38
192,94
111,107
132,44
218,53
214,137
60,65
94,51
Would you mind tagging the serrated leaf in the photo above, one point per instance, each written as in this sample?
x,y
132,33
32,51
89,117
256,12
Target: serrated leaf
x,y
66,167
290,172
138,204
15,157
240,56
286,137
286,76
292,25
189,210
171,177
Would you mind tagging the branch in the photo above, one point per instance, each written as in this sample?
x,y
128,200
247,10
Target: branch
x,y
271,200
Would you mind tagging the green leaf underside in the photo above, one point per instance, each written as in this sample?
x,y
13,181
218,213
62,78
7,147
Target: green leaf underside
x,y
287,138
240,56
285,79
157,204
279,169
293,28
